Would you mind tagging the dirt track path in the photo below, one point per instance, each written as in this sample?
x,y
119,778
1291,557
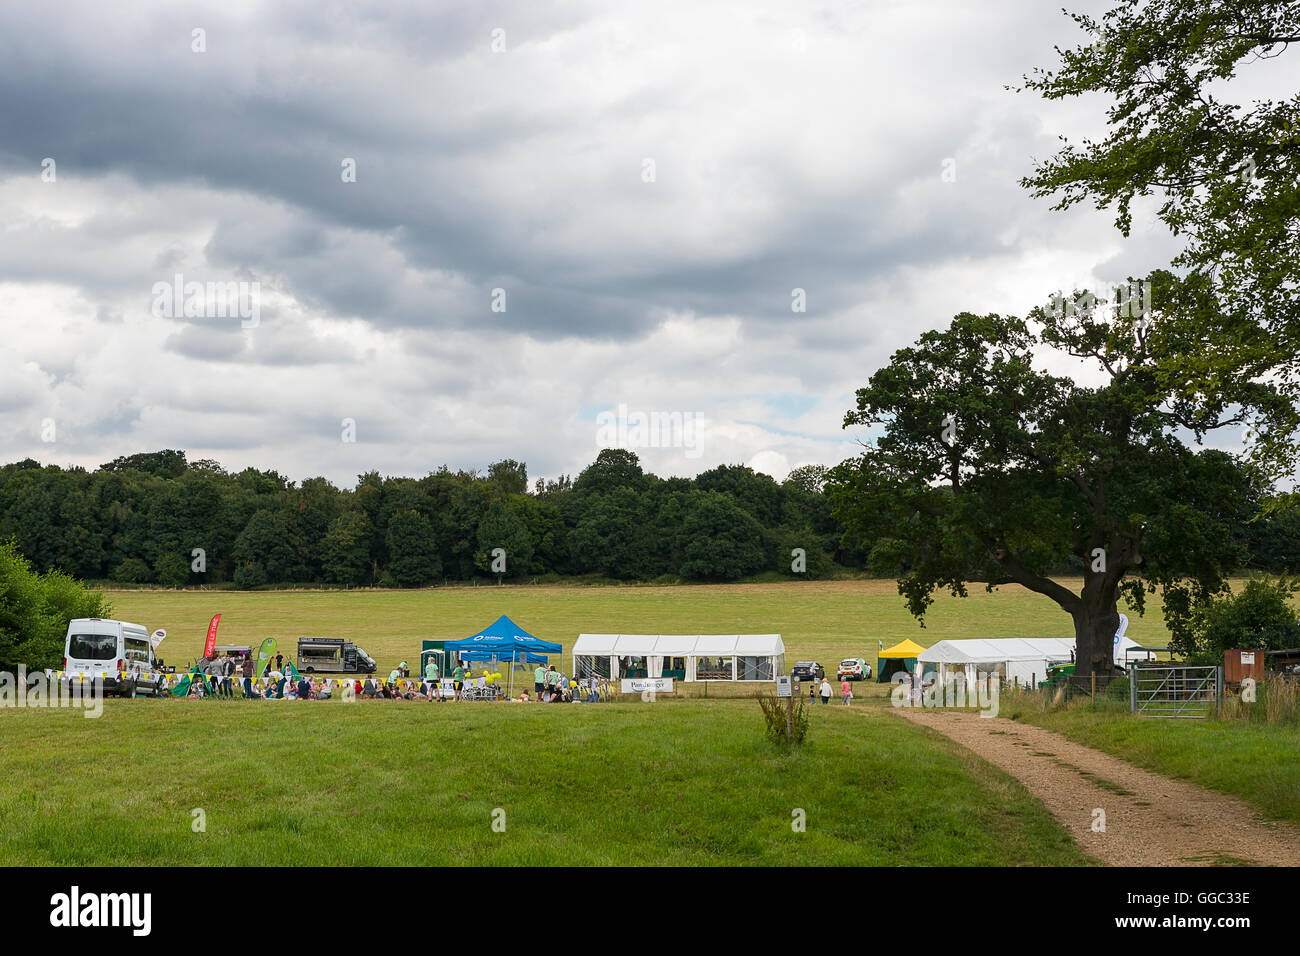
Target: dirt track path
x,y
1151,820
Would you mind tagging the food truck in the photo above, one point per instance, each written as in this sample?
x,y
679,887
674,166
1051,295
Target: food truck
x,y
333,655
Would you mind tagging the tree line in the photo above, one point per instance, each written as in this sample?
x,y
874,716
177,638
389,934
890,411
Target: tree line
x,y
158,518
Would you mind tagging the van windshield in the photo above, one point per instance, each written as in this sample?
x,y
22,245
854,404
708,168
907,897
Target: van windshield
x,y
92,647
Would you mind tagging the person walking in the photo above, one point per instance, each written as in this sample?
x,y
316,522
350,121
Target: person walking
x,y
826,691
279,661
846,692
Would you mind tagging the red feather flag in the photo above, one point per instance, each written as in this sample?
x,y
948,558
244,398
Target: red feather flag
x,y
210,646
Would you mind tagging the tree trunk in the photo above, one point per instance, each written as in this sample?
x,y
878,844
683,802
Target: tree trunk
x,y
1094,638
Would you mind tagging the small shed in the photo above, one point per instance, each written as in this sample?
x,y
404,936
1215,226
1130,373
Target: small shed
x,y
1240,663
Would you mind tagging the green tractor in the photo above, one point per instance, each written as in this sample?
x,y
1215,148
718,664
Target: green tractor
x,y
1058,674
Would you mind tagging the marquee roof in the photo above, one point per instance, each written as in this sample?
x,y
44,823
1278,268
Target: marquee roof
x,y
680,645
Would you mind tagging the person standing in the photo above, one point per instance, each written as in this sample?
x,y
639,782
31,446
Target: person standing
x,y
431,674
826,691
227,677
246,668
539,681
458,679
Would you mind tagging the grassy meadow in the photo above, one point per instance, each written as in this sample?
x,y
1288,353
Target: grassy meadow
x,y
418,783
675,781
819,620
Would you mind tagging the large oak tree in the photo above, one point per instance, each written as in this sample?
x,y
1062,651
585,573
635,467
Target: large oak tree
x,y
982,465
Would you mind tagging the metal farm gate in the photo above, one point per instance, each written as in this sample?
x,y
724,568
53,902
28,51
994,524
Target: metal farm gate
x,y
1175,690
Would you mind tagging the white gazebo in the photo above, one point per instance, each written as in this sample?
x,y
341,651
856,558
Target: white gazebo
x,y
685,657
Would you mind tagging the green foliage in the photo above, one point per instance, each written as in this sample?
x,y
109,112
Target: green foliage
x,y
717,539
988,468
1227,173
413,558
172,570
509,475
35,610
775,719
132,571
1260,616
612,535
345,555
501,528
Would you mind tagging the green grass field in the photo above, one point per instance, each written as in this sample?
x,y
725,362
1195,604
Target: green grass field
x,y
670,782
379,782
824,621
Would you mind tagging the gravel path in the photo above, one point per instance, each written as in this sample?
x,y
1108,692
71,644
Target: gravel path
x,y
1150,819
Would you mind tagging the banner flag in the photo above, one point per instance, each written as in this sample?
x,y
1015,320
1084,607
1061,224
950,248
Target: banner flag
x,y
265,653
210,645
157,638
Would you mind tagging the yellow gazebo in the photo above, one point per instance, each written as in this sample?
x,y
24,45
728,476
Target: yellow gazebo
x,y
900,657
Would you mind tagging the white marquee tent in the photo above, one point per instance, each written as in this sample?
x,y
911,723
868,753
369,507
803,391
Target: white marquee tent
x,y
1018,659
686,657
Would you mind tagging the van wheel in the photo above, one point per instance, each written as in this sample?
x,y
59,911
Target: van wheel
x,y
310,670
126,689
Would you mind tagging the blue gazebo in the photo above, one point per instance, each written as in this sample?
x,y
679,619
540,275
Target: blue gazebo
x,y
503,640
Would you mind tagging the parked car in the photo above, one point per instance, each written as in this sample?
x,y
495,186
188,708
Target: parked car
x,y
853,668
808,670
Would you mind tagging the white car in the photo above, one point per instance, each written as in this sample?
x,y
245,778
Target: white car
x,y
853,668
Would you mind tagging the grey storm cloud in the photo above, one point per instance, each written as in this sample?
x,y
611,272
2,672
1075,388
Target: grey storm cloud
x,y
296,101
775,168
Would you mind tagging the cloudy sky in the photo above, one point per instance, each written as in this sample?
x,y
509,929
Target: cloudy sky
x,y
558,209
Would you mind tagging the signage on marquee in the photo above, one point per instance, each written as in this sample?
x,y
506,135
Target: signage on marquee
x,y
641,685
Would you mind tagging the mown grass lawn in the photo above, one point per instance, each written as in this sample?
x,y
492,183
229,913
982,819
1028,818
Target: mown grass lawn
x,y
820,620
1258,762
669,782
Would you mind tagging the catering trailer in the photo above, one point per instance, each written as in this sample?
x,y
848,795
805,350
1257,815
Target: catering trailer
x,y
333,655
